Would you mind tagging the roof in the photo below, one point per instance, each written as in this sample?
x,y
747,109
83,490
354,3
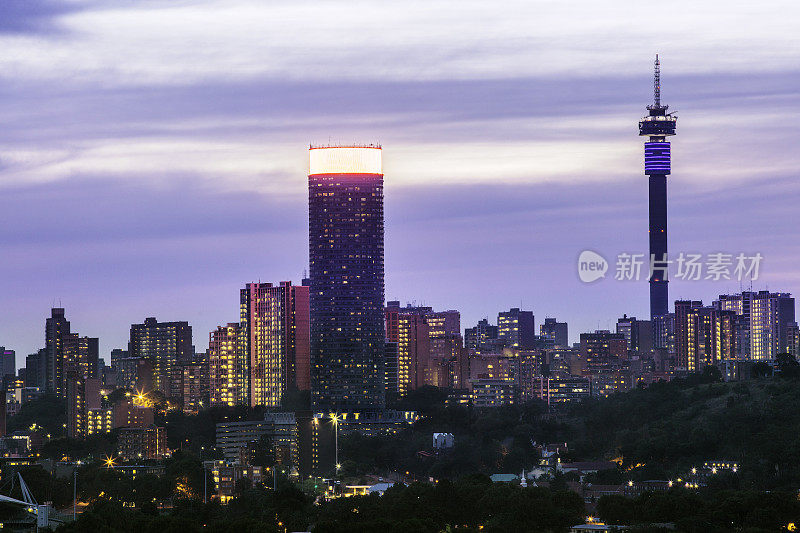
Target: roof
x,y
380,487
503,478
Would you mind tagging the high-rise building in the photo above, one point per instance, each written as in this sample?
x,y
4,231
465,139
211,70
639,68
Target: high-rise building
x,y
138,443
227,368
345,195
793,340
117,354
8,363
515,328
664,333
57,328
83,395
81,355
134,373
657,126
413,352
195,385
764,320
483,338
555,332
390,370
274,321
36,370
392,321
603,350
426,347
704,336
446,347
638,333
66,352
686,334
445,333
164,345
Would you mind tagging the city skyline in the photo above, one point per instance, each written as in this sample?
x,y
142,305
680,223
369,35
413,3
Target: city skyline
x,y
511,158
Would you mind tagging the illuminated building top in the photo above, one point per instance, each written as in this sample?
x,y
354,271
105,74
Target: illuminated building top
x,y
345,160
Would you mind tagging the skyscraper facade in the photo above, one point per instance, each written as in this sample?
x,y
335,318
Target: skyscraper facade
x,y
603,350
515,328
657,126
638,333
483,338
274,319
556,332
164,345
36,370
765,320
346,239
413,352
66,352
228,383
57,327
8,363
704,336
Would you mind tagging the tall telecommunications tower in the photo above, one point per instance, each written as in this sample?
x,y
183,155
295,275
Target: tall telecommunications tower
x,y
658,125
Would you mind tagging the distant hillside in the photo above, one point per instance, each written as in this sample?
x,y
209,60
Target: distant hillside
x,y
668,427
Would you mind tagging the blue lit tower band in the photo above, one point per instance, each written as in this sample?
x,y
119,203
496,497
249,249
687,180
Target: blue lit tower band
x,y
658,125
345,201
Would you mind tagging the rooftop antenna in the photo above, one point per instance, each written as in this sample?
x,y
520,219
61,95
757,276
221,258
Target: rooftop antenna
x,y
657,83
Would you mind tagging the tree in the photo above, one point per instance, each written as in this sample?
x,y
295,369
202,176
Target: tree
x,y
787,366
761,370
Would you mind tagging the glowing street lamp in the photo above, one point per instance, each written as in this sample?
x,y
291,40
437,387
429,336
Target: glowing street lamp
x,y
335,420
110,462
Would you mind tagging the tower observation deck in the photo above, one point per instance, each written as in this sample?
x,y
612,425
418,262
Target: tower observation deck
x,y
658,125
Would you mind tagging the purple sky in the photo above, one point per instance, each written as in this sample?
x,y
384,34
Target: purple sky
x,y
153,154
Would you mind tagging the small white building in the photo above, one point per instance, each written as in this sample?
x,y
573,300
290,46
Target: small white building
x,y
442,441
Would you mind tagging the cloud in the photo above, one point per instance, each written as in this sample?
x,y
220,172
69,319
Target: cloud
x,y
157,43
35,16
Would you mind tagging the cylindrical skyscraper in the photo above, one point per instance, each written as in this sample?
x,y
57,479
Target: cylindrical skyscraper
x,y
658,125
345,203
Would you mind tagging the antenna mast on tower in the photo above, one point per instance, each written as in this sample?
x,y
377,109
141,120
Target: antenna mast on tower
x,y
657,84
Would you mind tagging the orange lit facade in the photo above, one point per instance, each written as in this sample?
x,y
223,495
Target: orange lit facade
x,y
275,327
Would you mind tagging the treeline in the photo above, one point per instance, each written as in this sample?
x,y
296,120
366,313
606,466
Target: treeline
x,y
671,427
469,505
665,429
704,512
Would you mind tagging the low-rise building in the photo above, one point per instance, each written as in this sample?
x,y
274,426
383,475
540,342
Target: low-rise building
x,y
280,428
562,389
226,476
142,443
492,392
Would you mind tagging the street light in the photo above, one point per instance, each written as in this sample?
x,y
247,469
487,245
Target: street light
x,y
335,420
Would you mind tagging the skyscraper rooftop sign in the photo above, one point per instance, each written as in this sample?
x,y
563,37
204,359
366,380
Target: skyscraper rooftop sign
x,y
345,160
